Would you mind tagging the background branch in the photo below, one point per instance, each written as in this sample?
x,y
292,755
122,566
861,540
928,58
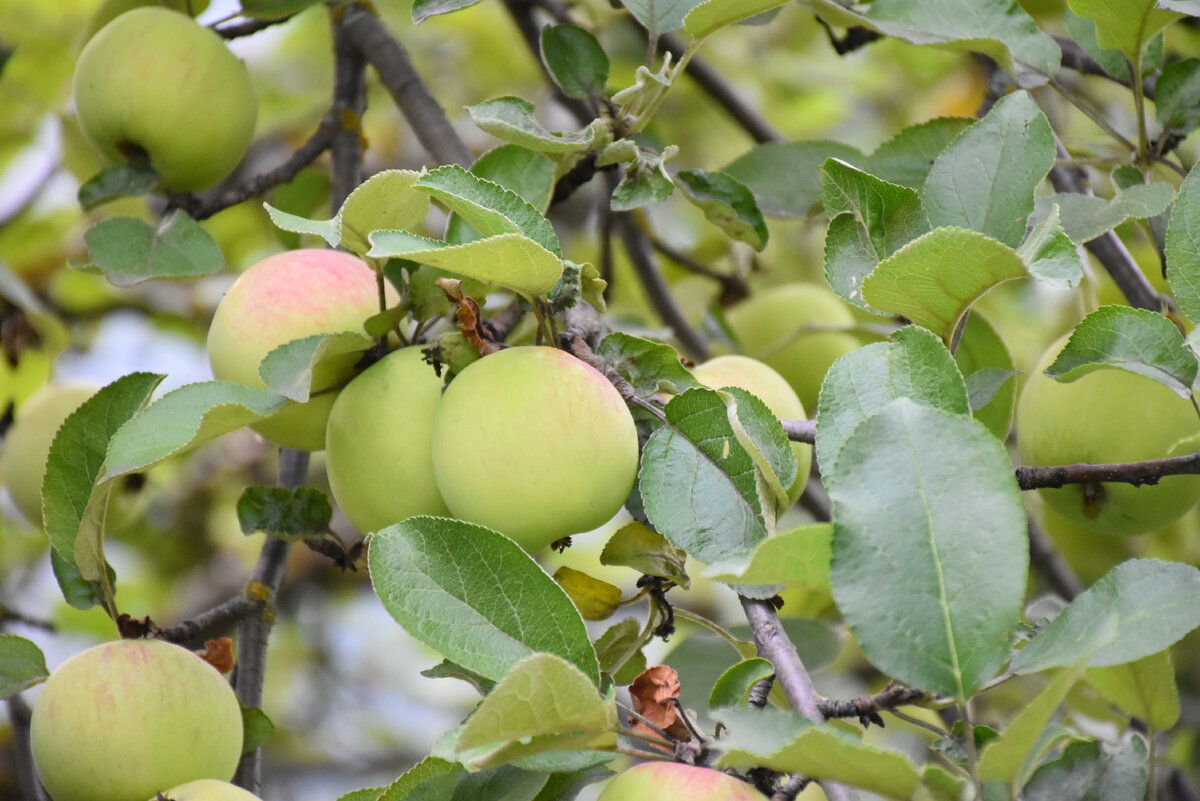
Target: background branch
x,y
28,785
1136,473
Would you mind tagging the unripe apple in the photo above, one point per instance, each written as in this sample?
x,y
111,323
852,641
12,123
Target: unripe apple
x,y
674,781
535,444
1108,415
292,295
772,389
207,790
378,449
27,443
781,326
126,719
111,9
156,84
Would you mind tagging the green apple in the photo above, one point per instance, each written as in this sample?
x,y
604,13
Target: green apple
x,y
156,84
207,790
378,452
788,328
772,389
27,443
1109,415
111,9
535,444
292,295
674,781
126,719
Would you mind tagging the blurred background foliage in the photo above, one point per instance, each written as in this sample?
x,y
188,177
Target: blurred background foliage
x,y
343,685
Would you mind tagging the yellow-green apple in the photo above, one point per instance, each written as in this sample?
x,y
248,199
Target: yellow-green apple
x,y
378,449
674,781
207,790
535,444
795,329
126,719
27,443
772,389
1108,415
155,84
111,9
292,295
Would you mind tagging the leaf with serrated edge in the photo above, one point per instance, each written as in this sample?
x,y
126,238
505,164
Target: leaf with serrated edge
x,y
296,368
576,60
1124,25
639,547
759,431
1140,607
727,203
783,175
650,366
1084,217
1145,689
385,200
1050,255
474,596
1137,340
735,683
184,418
905,159
929,547
489,207
659,16
129,251
329,230
22,665
797,558
507,261
511,120
1182,249
1004,758
713,15
935,278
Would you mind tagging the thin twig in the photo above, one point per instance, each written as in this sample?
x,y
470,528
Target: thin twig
x,y
250,27
349,103
521,12
211,623
1136,473
868,707
733,286
1076,58
19,716
800,430
389,58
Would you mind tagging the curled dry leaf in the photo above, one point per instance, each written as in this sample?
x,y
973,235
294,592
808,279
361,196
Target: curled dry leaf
x,y
655,693
219,654
470,322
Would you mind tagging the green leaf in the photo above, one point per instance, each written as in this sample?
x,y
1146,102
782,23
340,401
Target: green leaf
x,y
987,367
1177,97
870,220
1145,689
72,509
998,28
913,364
644,182
77,591
1124,25
508,261
1140,607
760,433
651,367
784,741
935,278
660,16
128,179
797,558
296,368
986,178
1085,217
905,159
22,665
699,487
184,418
726,203
785,176
429,779
511,120
711,16
387,199
474,596
595,599
274,9
733,688
452,670
931,595
298,514
1182,249
365,794
424,9
1006,758
1050,255
543,703
329,230
526,172
1092,770
575,59
487,206
639,547
1137,340
257,728
128,251
619,651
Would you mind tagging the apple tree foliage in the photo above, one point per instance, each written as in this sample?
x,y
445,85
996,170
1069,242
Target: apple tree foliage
x,y
1020,170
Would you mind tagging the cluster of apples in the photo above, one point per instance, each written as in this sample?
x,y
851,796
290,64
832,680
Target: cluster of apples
x,y
132,719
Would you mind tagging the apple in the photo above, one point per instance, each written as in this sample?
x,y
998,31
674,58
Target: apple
x,y
772,389
535,444
674,781
774,327
156,84
207,790
1109,415
126,719
292,295
27,443
378,452
111,9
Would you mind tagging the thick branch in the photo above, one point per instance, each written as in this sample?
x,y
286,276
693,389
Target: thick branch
x,y
800,430
1136,473
211,623
1047,561
390,60
349,104
1076,58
